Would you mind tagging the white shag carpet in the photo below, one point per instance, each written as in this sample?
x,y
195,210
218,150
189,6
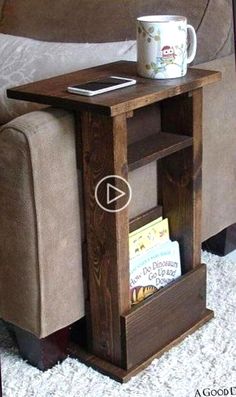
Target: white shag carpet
x,y
206,359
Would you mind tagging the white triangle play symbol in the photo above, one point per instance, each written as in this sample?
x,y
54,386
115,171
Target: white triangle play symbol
x,y
109,189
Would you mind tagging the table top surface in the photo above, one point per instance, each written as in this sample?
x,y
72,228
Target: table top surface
x,y
53,91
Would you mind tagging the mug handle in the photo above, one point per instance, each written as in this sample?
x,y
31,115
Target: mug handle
x,y
193,43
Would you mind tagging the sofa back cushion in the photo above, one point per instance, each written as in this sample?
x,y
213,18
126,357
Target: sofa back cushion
x,y
105,24
24,60
89,20
97,21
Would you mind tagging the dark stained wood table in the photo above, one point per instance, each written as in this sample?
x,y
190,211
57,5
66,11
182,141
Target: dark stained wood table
x,y
121,340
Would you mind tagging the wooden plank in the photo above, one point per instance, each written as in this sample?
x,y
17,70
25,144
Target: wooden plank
x,y
105,153
155,147
164,316
53,91
145,218
122,375
179,182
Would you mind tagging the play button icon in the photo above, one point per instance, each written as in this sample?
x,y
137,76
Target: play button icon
x,y
110,189
113,193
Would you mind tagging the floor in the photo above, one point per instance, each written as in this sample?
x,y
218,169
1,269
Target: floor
x,y
231,256
204,362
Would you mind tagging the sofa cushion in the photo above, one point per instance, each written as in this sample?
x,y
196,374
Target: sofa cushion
x,y
215,32
24,60
105,20
41,288
219,141
88,21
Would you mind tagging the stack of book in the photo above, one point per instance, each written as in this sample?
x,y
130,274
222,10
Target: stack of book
x,y
154,259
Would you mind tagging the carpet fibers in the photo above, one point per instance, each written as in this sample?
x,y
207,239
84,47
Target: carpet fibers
x,y
203,363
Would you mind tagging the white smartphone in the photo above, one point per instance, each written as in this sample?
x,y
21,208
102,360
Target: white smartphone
x,y
100,86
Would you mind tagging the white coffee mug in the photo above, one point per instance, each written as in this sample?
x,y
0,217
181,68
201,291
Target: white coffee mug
x,y
162,46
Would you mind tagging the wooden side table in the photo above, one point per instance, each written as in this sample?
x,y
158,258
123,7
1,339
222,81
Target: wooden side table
x,y
122,340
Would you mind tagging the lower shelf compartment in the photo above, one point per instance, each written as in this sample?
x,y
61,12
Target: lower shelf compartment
x,y
154,326
155,322
122,375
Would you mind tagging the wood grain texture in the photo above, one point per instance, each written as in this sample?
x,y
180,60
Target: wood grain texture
x,y
145,122
164,316
145,218
122,375
53,91
121,340
155,147
78,140
105,153
180,176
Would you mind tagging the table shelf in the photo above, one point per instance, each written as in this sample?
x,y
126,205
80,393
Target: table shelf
x,y
168,313
156,147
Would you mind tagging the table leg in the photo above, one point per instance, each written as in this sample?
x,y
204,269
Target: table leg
x,y
180,174
104,144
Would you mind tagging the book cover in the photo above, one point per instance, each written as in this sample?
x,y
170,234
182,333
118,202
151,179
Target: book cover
x,y
148,236
153,269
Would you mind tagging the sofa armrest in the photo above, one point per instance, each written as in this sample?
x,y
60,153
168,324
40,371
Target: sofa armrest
x,y
40,246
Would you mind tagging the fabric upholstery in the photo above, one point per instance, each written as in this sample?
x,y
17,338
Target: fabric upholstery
x,y
92,21
23,60
41,286
88,21
219,142
215,32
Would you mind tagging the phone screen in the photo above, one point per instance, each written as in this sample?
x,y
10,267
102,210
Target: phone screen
x,y
100,84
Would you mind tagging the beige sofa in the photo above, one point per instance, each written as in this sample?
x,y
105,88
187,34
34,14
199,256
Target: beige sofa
x,y
41,284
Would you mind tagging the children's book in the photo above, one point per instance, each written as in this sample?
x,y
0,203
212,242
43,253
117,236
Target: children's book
x,y
154,268
148,236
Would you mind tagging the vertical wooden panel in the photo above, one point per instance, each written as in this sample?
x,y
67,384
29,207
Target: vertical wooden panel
x,y
105,153
180,175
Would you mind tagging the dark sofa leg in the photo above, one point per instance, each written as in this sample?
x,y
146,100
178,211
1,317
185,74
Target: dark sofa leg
x,y
222,243
42,353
